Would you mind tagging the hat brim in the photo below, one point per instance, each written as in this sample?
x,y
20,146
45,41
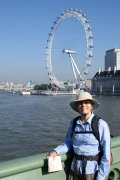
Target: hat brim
x,y
74,105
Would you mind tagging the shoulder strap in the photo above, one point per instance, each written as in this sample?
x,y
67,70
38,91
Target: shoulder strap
x,y
94,126
74,123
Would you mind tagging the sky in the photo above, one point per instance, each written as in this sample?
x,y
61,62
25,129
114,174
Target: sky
x,y
24,29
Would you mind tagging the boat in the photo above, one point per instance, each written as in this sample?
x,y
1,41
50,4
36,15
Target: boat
x,y
35,167
25,92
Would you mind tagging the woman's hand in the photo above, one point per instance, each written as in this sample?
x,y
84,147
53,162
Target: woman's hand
x,y
53,154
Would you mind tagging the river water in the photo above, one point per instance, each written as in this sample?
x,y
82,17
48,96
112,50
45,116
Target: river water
x,y
35,124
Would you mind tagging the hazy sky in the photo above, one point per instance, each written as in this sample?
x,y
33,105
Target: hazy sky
x,y
24,29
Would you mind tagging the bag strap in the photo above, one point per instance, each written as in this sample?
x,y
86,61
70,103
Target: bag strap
x,y
74,124
95,126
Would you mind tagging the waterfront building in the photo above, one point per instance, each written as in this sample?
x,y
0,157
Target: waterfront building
x,y
88,84
108,81
10,86
112,59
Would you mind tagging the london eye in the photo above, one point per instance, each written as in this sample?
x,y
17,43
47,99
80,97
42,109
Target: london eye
x,y
79,74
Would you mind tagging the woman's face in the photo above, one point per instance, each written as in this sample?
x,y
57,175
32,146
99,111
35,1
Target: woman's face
x,y
85,107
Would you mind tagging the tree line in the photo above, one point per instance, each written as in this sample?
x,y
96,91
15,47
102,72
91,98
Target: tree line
x,y
43,87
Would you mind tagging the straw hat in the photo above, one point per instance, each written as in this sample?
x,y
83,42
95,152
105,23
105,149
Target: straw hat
x,y
81,97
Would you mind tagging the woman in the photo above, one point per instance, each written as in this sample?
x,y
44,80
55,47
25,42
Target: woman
x,y
87,163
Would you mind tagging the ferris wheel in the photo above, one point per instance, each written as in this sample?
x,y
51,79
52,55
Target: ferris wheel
x,y
79,75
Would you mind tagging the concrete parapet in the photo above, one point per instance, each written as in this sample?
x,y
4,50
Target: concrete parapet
x,y
35,167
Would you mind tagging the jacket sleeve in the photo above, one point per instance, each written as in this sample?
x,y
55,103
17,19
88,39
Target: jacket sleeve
x,y
104,166
67,144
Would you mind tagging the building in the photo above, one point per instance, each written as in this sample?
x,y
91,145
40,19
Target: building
x,y
88,84
112,59
108,81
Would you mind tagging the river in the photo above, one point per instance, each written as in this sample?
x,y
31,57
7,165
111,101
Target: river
x,y
35,124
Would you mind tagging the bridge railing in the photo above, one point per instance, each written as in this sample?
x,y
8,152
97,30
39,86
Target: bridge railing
x,y
115,168
35,167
